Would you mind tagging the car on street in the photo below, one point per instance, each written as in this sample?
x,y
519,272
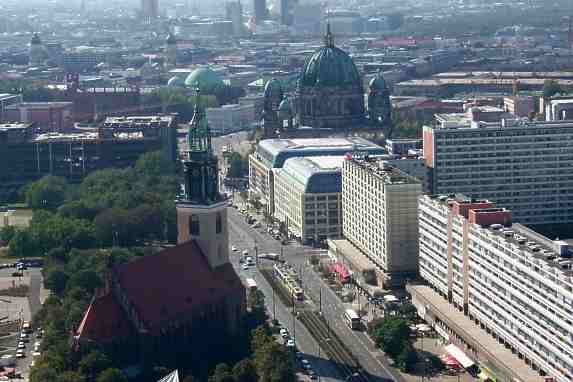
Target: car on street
x,y
234,249
24,337
284,333
20,353
21,345
305,364
245,267
290,343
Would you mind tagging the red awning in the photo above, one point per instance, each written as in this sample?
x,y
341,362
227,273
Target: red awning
x,y
340,270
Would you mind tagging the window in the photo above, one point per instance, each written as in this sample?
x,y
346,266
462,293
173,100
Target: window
x,y
194,225
219,223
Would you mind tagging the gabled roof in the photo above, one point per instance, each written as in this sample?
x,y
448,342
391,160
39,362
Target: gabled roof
x,y
103,321
168,286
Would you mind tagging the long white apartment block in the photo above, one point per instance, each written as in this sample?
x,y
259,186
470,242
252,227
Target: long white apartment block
x,y
512,282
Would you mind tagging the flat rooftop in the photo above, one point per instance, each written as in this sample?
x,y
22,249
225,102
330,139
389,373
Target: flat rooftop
x,y
384,170
300,144
14,126
540,249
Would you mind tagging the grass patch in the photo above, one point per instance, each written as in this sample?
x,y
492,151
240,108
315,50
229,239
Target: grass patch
x,y
17,291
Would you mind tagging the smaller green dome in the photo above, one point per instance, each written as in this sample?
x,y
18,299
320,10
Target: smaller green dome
x,y
171,39
176,82
204,79
378,83
285,106
36,39
274,89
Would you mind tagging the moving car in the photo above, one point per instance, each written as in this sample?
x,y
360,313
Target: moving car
x,y
234,249
284,333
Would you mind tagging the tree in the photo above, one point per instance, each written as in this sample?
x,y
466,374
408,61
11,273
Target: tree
x,y
237,166
111,226
408,310
274,363
244,371
55,279
154,164
43,372
407,358
222,373
47,193
7,233
86,279
22,244
77,209
71,376
390,334
111,375
550,88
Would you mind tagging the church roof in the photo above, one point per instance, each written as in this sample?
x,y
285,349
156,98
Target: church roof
x,y
274,89
170,285
103,321
329,66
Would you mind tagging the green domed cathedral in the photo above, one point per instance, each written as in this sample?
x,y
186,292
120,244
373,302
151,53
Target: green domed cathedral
x,y
329,95
329,91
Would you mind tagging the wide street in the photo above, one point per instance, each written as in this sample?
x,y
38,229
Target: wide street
x,y
244,237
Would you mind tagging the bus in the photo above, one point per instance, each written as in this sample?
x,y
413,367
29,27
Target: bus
x,y
251,284
352,319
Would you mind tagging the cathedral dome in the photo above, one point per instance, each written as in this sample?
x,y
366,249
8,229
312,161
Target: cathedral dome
x,y
204,79
329,66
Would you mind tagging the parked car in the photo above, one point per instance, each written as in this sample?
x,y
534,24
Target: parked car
x,y
284,333
20,354
290,343
21,345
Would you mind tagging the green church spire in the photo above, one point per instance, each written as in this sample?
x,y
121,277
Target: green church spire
x,y
199,133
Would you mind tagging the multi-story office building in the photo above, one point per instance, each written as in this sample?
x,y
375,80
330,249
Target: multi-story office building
x,y
118,142
49,116
380,218
521,165
508,280
272,153
308,197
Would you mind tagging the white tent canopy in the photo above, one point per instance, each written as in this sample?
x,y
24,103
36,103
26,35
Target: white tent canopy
x,y
460,356
171,377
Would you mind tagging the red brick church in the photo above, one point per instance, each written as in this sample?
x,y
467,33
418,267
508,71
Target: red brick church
x,y
162,305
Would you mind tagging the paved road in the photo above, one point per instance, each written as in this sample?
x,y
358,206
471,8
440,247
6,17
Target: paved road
x,y
245,237
241,236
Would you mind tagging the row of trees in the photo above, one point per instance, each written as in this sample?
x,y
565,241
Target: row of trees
x,y
392,335
113,207
73,276
269,362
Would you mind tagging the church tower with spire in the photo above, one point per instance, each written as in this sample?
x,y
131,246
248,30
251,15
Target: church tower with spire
x,y
201,209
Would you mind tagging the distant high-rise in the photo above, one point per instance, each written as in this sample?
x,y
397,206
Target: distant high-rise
x,y
150,9
260,10
287,11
